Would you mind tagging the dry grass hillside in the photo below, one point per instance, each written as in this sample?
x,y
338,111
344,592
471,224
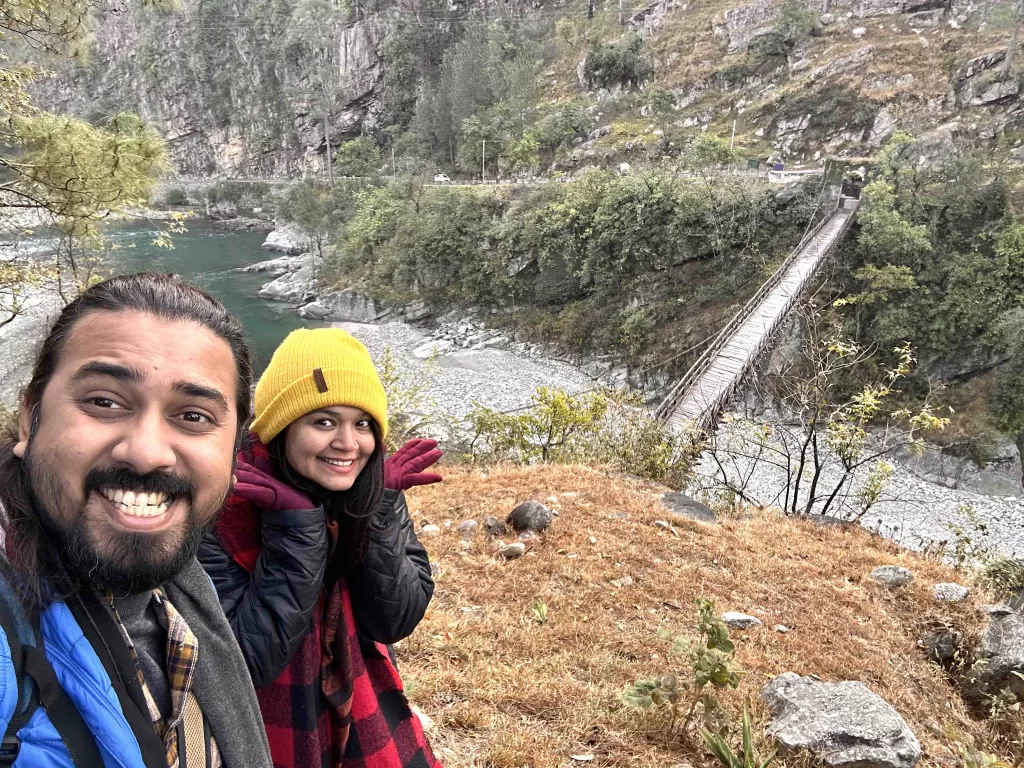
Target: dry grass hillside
x,y
506,690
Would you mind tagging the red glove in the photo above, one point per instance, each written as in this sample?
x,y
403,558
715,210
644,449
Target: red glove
x,y
266,491
405,468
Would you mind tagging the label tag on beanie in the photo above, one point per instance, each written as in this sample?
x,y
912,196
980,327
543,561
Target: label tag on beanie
x,y
321,382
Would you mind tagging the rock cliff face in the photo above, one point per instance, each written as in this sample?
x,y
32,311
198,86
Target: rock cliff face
x,y
226,101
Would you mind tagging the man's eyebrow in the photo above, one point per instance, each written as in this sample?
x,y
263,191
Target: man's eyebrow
x,y
113,370
192,389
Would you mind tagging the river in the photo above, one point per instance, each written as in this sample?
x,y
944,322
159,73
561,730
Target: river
x,y
207,256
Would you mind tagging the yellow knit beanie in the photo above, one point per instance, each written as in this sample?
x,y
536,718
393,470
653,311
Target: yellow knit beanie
x,y
317,368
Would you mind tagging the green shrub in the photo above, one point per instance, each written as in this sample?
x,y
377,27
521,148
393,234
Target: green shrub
x,y
622,63
605,428
175,196
225,192
661,100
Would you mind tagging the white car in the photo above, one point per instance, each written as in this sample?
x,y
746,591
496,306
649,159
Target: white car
x,y
442,178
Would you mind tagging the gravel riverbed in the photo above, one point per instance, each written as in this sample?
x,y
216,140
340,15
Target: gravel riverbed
x,y
495,378
911,511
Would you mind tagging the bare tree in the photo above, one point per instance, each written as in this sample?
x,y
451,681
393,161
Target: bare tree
x,y
822,455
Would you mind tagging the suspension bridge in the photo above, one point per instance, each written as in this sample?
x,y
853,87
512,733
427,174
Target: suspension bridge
x,y
696,400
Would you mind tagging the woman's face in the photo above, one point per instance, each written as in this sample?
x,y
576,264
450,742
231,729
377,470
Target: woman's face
x,y
330,446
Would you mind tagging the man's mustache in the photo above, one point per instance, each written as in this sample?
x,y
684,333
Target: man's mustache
x,y
157,481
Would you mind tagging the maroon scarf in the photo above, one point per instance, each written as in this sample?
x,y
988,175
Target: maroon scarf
x,y
338,704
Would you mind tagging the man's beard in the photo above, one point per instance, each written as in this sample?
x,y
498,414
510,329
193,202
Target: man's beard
x,y
94,549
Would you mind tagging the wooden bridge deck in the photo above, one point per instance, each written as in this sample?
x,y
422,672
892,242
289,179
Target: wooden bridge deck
x,y
703,392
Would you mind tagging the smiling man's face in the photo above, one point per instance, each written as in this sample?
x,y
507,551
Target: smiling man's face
x,y
131,456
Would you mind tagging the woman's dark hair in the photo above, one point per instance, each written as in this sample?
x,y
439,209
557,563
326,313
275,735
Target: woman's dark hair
x,y
351,509
34,555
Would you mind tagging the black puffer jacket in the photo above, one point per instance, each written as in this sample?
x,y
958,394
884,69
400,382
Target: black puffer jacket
x,y
270,610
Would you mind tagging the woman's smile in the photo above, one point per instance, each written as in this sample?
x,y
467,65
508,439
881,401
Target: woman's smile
x,y
330,446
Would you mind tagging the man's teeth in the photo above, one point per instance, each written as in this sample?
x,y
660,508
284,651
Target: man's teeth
x,y
138,504
339,462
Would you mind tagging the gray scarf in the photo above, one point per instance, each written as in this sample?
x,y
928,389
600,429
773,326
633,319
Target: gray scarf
x,y
222,683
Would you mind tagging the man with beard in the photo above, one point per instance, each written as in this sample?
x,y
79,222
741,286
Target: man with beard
x,y
114,649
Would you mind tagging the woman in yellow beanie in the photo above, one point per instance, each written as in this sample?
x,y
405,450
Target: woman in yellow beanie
x,y
316,562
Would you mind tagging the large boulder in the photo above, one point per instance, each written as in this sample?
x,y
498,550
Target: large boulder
x,y
530,516
292,287
892,576
282,265
341,306
740,25
1000,659
686,506
287,239
842,724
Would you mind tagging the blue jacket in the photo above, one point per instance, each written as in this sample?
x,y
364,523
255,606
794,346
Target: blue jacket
x,y
86,682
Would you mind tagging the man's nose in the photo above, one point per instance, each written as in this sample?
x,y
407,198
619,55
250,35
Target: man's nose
x,y
145,445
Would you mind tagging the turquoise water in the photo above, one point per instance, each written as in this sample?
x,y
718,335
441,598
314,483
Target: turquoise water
x,y
206,256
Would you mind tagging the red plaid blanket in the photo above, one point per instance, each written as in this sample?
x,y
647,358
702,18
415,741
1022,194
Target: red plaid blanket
x,y
338,704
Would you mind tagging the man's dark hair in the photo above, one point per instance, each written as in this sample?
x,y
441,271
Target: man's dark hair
x,y
35,556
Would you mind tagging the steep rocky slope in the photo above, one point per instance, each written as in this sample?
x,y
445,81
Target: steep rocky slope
x,y
232,89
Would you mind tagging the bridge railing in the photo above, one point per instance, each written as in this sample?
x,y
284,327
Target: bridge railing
x,y
695,371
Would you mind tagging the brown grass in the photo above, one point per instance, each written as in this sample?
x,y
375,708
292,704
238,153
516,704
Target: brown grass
x,y
507,691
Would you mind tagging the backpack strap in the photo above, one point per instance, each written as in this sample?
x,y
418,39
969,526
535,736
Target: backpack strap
x,y
25,704
32,666
62,710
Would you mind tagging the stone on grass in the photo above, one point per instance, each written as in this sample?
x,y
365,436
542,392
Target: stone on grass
x,y
845,725
494,526
738,620
430,531
681,504
530,516
528,536
892,576
1000,660
941,644
512,551
468,528
949,592
435,569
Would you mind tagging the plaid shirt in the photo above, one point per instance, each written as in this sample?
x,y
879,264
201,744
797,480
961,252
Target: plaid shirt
x,y
182,655
336,705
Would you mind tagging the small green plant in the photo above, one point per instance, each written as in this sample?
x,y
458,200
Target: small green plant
x,y
965,548
748,757
540,611
661,100
711,664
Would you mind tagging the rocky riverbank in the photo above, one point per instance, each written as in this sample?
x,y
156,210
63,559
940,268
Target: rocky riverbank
x,y
910,510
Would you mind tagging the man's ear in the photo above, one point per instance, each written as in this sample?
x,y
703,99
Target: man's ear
x,y
24,427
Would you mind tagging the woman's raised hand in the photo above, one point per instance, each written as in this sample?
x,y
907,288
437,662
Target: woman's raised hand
x,y
404,468
266,491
